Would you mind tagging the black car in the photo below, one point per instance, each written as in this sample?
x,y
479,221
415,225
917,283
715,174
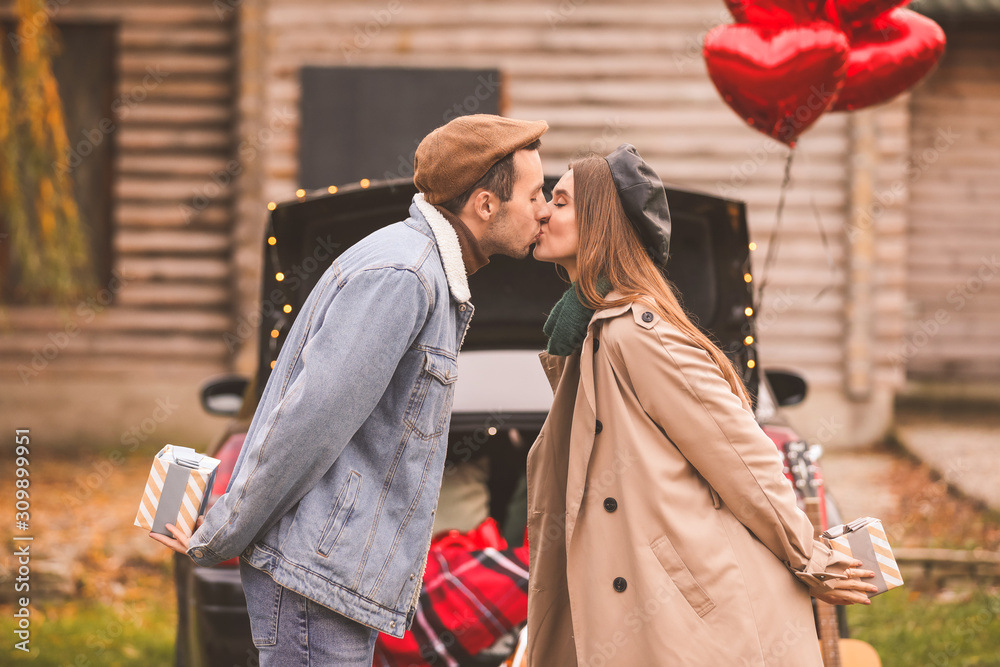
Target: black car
x,y
502,396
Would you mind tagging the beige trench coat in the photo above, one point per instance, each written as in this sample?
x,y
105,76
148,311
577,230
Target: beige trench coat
x,y
662,528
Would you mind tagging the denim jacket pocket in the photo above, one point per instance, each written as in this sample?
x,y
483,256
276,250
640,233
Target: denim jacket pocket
x,y
681,576
430,404
342,510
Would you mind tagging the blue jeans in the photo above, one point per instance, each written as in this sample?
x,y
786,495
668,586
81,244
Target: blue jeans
x,y
292,631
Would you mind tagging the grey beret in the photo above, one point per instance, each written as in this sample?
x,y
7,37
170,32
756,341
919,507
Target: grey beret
x,y
644,200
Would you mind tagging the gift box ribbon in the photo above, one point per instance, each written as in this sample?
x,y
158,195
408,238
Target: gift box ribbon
x,y
179,483
868,543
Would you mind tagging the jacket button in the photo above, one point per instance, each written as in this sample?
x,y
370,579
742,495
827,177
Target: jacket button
x,y
197,553
620,584
597,345
610,504
462,308
598,427
647,316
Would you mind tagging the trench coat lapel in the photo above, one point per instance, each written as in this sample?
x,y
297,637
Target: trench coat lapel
x,y
553,366
581,441
584,423
587,354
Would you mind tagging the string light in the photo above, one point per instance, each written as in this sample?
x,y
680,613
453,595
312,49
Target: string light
x,y
492,430
300,193
748,340
751,363
365,182
748,311
271,206
747,277
332,189
753,246
273,261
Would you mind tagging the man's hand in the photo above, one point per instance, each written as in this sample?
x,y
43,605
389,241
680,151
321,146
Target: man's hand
x,y
179,542
848,591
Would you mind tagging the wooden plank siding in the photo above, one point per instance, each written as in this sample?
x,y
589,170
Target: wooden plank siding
x,y
175,130
954,234
603,72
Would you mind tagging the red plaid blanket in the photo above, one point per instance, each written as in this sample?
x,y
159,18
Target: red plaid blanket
x,y
475,591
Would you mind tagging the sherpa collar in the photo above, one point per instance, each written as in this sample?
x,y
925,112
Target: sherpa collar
x,y
448,246
472,251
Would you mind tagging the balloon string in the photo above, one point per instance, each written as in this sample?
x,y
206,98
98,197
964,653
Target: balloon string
x,y
827,250
773,240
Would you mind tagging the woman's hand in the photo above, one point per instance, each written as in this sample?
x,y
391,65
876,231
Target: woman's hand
x,y
179,542
848,591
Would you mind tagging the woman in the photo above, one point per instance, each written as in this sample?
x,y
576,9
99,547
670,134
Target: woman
x,y
662,528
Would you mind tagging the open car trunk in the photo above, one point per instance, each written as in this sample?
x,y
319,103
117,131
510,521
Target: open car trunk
x,y
502,396
709,257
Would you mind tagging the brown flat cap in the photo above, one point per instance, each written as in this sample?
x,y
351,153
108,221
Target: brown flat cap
x,y
453,157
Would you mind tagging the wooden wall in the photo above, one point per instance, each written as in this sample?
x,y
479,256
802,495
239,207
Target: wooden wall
x,y
602,73
124,368
171,222
954,228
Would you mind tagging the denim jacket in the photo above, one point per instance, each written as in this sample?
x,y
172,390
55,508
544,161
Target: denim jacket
x,y
335,489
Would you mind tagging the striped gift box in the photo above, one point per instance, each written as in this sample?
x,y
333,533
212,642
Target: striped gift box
x,y
865,540
177,490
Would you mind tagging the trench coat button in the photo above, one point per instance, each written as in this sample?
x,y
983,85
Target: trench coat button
x,y
647,317
597,345
598,427
620,584
610,504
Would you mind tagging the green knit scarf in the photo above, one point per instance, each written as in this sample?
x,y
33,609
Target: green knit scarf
x,y
567,324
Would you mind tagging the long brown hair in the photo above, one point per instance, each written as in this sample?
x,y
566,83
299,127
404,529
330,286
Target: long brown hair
x,y
610,247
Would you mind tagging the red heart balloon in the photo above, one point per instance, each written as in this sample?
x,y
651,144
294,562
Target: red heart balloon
x,y
779,82
775,13
856,13
889,57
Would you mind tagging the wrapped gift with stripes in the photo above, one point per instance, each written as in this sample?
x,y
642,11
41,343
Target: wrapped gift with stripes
x,y
865,539
177,490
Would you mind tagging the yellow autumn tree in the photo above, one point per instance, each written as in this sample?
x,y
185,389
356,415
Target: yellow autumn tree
x,y
48,257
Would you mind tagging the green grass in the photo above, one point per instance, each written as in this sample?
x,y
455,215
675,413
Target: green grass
x,y
907,631
918,631
89,634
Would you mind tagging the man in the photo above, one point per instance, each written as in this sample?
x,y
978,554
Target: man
x,y
333,497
